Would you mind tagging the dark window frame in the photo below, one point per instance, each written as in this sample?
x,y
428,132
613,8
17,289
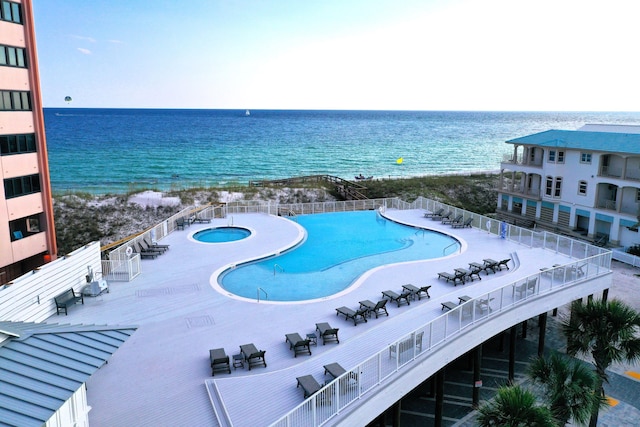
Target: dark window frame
x,y
22,186
19,54
11,12
26,226
18,144
15,100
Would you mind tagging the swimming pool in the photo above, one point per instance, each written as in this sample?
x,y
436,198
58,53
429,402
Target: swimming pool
x,y
222,234
338,249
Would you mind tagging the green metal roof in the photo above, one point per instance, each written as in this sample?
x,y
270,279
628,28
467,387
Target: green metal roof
x,y
582,140
42,365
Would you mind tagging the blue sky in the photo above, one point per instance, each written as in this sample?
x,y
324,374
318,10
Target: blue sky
x,y
340,54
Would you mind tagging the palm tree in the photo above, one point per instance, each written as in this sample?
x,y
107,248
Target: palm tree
x,y
514,406
605,330
569,387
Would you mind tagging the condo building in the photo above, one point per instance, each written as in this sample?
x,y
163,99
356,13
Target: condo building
x,y
584,183
27,234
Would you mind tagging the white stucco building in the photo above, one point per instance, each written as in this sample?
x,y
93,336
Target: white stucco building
x,y
584,183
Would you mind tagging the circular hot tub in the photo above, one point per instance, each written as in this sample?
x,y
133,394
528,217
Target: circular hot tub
x,y
222,234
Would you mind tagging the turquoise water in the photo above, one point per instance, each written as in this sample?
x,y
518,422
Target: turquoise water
x,y
119,150
338,249
221,234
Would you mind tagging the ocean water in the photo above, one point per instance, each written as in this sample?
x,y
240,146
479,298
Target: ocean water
x,y
117,150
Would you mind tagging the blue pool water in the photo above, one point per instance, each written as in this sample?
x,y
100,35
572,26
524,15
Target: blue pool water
x,y
339,248
221,234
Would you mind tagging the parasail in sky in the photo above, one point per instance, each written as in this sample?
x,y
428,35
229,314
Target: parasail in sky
x,y
67,98
399,160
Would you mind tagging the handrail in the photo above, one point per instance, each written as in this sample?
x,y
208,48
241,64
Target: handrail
x,y
279,266
444,251
266,296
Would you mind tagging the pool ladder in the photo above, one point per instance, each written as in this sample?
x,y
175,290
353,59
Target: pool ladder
x,y
444,251
266,296
276,267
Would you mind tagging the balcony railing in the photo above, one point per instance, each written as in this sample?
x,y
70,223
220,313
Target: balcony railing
x,y
374,372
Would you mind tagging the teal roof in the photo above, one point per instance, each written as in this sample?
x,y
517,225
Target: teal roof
x,y
42,365
581,140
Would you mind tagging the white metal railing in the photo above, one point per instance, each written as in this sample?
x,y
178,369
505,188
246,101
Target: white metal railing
x,y
122,270
514,233
386,363
622,256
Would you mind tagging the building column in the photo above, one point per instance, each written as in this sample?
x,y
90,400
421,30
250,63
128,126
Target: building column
x,y
542,323
512,354
477,361
396,413
439,398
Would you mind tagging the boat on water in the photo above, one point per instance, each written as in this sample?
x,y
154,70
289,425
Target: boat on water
x,y
247,113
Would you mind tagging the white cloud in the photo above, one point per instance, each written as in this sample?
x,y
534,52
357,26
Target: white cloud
x,y
84,51
88,39
116,41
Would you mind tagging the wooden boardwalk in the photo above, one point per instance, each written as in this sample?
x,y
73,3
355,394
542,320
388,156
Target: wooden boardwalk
x,y
350,190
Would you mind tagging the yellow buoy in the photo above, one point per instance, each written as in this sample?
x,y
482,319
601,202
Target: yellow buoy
x,y
400,160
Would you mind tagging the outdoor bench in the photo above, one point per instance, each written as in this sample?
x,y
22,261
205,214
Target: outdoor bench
x,y
67,298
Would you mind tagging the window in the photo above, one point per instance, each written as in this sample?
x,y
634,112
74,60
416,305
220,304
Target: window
x,y
17,144
560,156
24,227
582,188
556,156
638,195
12,56
585,158
558,188
549,186
22,185
15,101
11,12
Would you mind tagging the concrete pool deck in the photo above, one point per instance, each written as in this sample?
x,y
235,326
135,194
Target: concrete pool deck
x,y
158,376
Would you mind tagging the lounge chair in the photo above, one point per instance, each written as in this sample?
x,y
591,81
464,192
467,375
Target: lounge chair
x,y
143,252
327,333
219,361
468,274
476,268
503,263
450,220
145,246
442,216
417,291
200,220
400,299
297,344
359,315
155,245
253,356
309,385
448,305
432,214
375,308
335,370
467,223
490,264
578,269
455,278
